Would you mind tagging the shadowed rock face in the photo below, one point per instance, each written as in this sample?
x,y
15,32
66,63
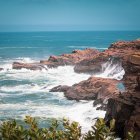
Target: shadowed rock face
x,y
120,50
1,69
126,107
91,65
55,61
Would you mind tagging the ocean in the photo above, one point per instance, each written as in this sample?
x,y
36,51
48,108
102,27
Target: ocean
x,y
25,92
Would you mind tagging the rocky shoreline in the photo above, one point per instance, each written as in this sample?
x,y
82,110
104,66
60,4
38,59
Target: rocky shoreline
x,y
123,106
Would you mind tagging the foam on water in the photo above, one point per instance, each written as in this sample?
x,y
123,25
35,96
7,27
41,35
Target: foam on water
x,y
32,97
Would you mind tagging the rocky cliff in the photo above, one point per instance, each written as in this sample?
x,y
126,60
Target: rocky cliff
x,y
126,107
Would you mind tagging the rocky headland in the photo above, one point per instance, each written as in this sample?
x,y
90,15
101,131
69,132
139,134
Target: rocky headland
x,y
121,105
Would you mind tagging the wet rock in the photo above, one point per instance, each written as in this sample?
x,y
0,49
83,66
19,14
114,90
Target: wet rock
x,y
60,88
120,50
102,107
92,65
91,89
62,60
125,108
70,59
31,66
1,69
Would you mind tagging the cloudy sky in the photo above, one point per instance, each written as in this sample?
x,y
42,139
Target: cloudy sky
x,y
61,15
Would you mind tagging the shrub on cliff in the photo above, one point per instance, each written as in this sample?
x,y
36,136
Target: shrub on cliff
x,y
10,130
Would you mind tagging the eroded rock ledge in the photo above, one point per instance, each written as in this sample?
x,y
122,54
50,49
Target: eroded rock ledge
x,y
55,61
92,89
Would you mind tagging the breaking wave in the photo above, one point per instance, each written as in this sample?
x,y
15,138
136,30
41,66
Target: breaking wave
x,y
26,92
112,69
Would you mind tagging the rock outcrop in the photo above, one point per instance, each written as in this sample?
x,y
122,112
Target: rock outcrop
x,y
31,66
55,61
92,89
121,50
1,69
123,106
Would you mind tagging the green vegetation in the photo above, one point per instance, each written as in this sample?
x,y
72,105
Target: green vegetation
x,y
10,130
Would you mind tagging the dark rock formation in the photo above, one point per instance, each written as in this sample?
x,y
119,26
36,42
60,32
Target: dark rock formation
x,y
60,88
91,65
1,69
126,107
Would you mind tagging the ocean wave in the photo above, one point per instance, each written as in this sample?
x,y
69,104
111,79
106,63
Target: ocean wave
x,y
7,64
80,112
33,98
84,47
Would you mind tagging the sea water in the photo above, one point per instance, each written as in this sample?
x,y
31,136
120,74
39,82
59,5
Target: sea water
x,y
26,92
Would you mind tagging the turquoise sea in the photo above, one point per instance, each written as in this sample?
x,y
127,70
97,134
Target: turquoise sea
x,y
25,92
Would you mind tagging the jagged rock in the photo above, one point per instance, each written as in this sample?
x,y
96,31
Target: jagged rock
x,y
93,88
92,65
121,50
55,61
70,59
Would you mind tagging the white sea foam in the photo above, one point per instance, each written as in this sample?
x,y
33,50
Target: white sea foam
x,y
7,64
40,102
80,112
112,70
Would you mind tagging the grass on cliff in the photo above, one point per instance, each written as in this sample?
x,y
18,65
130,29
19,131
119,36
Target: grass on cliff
x,y
11,130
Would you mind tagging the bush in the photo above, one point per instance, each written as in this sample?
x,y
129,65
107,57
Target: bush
x,y
10,130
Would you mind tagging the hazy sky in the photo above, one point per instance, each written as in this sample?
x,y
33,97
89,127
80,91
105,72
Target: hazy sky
x,y
37,15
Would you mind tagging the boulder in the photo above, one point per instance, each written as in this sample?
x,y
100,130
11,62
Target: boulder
x,y
1,69
60,88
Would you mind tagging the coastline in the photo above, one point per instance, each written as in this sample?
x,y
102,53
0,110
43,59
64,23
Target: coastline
x,y
103,89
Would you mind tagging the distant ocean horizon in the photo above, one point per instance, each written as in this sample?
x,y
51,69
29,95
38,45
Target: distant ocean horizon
x,y
25,92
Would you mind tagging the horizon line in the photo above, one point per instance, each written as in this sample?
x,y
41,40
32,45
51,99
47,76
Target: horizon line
x,y
69,31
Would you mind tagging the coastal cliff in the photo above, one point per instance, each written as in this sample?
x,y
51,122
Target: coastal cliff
x,y
126,107
121,57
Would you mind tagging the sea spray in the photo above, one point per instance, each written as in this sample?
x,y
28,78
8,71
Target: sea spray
x,y
29,95
112,69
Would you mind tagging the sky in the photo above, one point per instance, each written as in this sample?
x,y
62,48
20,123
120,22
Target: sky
x,y
69,15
